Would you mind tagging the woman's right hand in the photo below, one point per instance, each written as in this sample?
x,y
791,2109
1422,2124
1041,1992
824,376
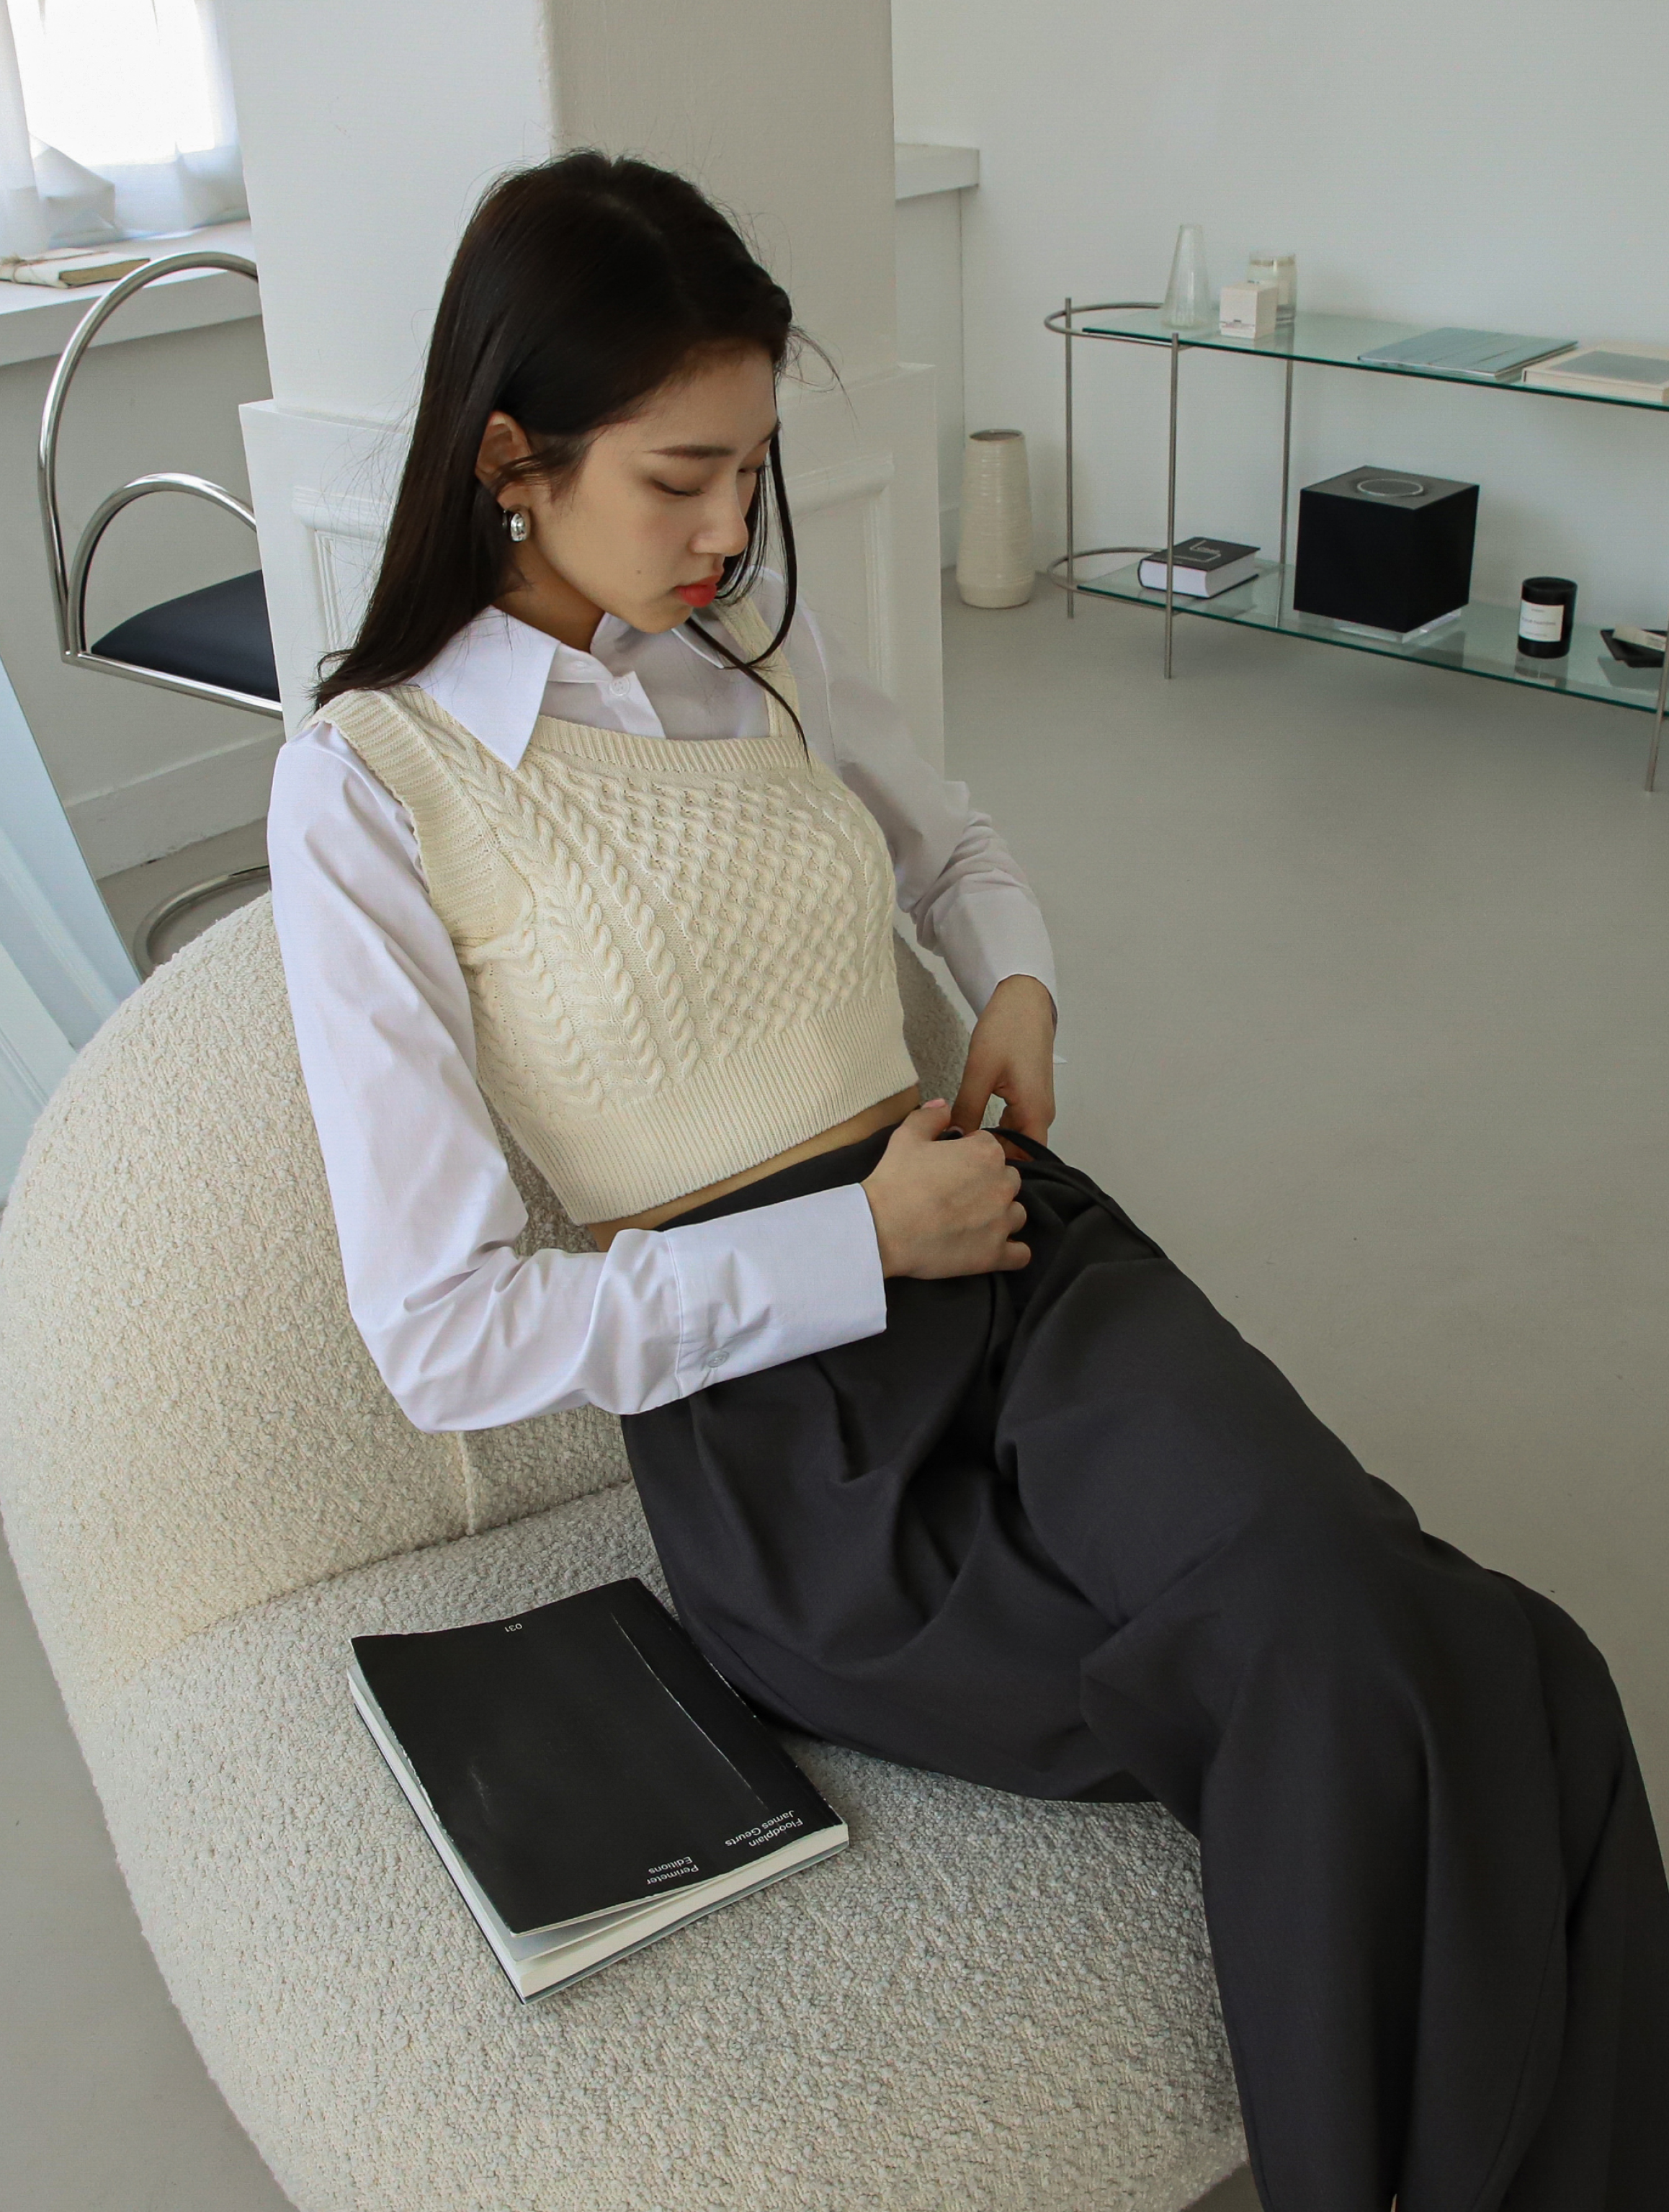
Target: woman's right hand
x,y
945,1209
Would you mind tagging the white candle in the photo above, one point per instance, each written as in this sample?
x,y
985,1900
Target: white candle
x,y
1280,270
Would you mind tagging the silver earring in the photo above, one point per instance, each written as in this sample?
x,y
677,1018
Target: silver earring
x,y
515,524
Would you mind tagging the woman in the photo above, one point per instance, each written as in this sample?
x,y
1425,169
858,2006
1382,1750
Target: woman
x,y
595,824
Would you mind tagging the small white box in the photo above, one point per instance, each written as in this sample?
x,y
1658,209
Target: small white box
x,y
1249,308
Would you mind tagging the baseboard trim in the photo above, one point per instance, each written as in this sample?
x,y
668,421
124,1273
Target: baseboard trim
x,y
130,822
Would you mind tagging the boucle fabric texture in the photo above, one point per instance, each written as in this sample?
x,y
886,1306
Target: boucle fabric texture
x,y
678,951
189,1419
986,2003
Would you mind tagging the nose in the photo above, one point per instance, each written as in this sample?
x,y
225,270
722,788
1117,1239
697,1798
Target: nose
x,y
723,529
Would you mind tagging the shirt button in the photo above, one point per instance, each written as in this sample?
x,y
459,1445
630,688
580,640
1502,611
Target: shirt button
x,y
712,1360
620,687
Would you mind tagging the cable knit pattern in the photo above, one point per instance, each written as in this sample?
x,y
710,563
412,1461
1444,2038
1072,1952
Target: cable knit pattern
x,y
678,951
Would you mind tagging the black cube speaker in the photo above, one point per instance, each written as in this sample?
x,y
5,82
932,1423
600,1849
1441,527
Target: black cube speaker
x,y
1385,549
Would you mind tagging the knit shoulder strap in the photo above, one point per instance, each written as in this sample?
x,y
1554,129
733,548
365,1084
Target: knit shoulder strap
x,y
428,762
751,634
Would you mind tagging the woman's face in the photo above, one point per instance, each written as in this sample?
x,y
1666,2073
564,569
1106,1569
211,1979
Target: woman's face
x,y
643,525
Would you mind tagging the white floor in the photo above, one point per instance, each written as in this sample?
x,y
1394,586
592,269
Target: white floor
x,y
1365,1003
1365,993
134,894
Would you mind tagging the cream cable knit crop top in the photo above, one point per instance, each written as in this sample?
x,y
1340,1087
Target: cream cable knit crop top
x,y
678,951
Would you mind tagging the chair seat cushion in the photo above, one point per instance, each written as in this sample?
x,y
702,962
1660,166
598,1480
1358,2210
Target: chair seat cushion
x,y
220,635
987,2002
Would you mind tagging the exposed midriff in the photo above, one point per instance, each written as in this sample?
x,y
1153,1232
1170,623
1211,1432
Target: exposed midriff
x,y
855,1125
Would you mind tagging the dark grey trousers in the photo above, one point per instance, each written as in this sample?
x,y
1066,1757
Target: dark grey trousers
x,y
1063,1531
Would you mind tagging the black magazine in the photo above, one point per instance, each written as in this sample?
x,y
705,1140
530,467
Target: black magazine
x,y
589,1781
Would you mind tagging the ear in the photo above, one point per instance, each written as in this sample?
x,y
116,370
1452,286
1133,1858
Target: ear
x,y
503,441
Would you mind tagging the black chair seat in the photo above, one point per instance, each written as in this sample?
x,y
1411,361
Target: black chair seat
x,y
220,635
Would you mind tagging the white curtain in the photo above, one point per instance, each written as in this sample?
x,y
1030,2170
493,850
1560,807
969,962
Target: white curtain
x,y
54,925
116,121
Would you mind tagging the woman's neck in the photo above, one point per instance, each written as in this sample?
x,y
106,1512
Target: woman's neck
x,y
545,601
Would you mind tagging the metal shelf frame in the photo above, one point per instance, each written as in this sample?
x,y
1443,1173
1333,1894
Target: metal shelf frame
x,y
1066,323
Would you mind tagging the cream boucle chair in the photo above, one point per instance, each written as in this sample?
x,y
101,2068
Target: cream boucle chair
x,y
986,2003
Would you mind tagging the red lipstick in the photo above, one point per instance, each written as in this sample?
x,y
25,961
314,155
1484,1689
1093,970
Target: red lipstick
x,y
701,594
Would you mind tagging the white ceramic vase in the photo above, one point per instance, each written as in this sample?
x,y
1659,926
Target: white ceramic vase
x,y
994,565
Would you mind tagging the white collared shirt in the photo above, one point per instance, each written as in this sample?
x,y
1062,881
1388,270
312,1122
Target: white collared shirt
x,y
466,1334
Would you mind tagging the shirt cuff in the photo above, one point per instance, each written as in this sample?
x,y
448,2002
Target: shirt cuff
x,y
775,1282
993,931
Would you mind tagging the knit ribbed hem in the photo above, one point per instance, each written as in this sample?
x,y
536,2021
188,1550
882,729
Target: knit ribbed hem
x,y
690,760
730,1114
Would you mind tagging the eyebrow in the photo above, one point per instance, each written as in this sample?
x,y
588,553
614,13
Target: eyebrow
x,y
710,453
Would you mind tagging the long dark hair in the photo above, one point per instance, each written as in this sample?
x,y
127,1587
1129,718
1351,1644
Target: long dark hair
x,y
579,288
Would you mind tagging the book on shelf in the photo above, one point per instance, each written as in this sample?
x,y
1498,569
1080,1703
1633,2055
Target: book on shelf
x,y
69,271
1492,356
589,1782
1204,567
1634,647
1614,372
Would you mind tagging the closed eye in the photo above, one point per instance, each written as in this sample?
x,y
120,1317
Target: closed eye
x,y
695,491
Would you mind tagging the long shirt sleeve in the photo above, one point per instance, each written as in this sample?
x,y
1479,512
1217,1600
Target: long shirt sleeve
x,y
957,881
465,1332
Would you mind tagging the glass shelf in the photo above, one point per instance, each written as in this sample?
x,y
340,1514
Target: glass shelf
x,y
1334,341
1483,640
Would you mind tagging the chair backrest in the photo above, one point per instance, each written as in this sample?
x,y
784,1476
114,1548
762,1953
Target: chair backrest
x,y
190,1423
68,572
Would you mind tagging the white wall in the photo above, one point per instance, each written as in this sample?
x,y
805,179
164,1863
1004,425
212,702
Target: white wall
x,y
141,771
1437,161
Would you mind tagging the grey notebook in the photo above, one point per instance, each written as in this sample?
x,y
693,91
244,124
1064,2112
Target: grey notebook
x,y
1493,355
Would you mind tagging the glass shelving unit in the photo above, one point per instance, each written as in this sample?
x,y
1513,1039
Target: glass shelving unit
x,y
1481,640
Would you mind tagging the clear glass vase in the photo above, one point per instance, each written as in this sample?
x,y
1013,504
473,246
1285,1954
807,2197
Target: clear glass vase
x,y
1188,304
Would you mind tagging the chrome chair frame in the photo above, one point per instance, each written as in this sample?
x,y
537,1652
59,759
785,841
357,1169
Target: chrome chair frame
x,y
68,573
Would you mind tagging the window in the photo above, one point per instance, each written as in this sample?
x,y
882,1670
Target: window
x,y
116,121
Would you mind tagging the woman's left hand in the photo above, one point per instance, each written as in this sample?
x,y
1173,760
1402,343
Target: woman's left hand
x,y
1010,1057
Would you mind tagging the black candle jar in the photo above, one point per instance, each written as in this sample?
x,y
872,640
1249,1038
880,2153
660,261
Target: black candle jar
x,y
1547,615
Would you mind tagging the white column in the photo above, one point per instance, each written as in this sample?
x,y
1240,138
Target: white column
x,y
369,129
933,182
783,112
369,132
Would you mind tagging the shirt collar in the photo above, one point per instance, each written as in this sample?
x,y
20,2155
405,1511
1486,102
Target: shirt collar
x,y
491,676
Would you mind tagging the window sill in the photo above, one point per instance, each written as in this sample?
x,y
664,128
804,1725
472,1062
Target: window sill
x,y
36,320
